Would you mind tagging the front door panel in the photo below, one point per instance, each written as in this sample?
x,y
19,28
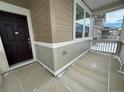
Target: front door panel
x,y
15,36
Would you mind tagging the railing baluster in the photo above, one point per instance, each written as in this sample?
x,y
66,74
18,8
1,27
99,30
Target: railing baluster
x,y
109,47
99,46
102,47
96,47
105,46
113,47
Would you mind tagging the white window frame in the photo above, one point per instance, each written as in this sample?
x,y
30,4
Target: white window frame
x,y
86,9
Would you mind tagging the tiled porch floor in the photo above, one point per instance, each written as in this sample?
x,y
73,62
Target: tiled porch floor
x,y
92,72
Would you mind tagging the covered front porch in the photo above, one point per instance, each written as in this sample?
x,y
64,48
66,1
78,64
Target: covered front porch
x,y
70,50
92,72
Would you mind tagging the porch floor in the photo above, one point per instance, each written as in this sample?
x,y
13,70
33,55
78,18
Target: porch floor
x,y
92,72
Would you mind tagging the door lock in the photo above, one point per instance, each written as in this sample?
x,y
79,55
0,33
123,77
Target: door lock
x,y
16,33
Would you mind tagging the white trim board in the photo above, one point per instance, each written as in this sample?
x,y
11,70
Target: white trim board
x,y
57,45
21,11
56,73
13,8
19,65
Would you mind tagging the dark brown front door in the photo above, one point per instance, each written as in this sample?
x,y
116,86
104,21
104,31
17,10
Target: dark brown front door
x,y
15,37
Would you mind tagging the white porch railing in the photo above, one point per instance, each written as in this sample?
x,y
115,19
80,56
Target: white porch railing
x,y
104,46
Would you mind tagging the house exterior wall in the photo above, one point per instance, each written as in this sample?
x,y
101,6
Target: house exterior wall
x,y
72,51
53,24
45,55
55,59
22,3
40,14
61,23
63,20
4,66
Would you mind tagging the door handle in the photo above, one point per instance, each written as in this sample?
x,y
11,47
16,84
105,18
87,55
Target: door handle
x,y
29,43
16,33
28,39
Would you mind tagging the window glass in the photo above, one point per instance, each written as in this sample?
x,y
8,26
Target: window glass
x,y
87,24
87,31
82,20
79,21
88,21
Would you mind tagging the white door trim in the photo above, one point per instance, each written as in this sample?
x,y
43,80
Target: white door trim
x,y
21,11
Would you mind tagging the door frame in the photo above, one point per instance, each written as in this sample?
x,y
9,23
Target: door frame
x,y
6,7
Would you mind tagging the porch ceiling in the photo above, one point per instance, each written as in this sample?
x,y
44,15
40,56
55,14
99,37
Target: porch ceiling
x,y
98,5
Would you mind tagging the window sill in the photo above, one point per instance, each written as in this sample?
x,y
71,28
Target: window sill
x,y
83,39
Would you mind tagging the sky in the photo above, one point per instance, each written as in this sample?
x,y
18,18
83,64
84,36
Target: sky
x,y
114,18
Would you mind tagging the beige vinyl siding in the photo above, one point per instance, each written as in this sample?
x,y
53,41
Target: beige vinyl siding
x,y
63,36
63,20
22,3
52,19
40,13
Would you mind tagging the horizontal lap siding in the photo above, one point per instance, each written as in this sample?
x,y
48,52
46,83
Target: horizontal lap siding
x,y
40,13
63,20
22,3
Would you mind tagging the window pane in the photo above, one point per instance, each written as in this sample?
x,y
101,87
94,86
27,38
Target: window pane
x,y
79,30
88,21
87,26
87,31
79,21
